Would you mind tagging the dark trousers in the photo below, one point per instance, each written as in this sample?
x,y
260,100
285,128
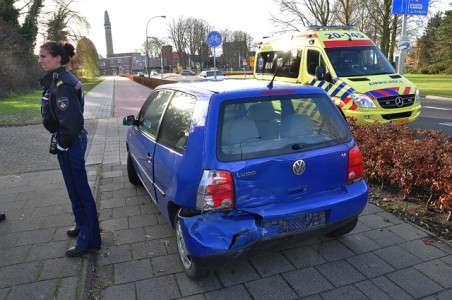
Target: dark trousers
x,y
72,164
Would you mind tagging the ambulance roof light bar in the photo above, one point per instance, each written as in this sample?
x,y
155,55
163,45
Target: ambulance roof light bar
x,y
320,27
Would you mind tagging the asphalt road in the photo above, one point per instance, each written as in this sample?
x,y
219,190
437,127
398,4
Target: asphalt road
x,y
435,114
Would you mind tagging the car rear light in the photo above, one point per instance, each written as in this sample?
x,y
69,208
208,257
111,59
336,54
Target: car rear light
x,y
355,165
215,190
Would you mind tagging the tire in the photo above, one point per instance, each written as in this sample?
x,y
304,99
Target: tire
x,y
347,228
190,267
131,172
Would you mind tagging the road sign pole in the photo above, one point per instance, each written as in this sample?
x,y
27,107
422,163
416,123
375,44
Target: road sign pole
x,y
214,39
402,52
214,64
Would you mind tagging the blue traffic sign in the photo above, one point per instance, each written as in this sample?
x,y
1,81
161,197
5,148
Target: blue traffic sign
x,y
410,7
214,39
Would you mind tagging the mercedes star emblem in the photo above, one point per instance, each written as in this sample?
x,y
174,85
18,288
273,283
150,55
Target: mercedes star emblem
x,y
399,101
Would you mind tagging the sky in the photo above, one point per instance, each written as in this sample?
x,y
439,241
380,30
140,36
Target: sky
x,y
128,18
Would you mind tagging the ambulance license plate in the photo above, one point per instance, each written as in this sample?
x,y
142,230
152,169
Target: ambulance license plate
x,y
400,121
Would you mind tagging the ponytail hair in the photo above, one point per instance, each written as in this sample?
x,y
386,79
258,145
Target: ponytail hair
x,y
65,50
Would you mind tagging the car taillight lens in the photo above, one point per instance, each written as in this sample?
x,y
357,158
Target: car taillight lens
x,y
215,190
355,165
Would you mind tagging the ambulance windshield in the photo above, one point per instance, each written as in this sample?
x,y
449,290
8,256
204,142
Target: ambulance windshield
x,y
358,61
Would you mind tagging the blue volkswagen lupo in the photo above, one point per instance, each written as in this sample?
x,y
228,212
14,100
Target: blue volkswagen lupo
x,y
236,166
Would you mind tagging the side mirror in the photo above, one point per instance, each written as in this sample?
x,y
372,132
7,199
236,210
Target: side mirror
x,y
322,74
129,120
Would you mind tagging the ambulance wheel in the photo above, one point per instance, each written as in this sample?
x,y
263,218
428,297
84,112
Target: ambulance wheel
x,y
131,172
347,228
190,267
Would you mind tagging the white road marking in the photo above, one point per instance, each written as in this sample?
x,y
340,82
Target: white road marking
x,y
446,124
438,108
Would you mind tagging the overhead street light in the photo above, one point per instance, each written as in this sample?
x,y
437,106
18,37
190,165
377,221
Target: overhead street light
x,y
147,50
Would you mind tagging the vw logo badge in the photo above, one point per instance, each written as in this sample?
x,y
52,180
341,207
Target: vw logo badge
x,y
399,101
299,167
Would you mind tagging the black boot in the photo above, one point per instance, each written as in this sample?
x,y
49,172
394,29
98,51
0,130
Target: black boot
x,y
73,232
77,251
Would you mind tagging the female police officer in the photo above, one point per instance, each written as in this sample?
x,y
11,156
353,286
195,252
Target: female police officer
x,y
62,115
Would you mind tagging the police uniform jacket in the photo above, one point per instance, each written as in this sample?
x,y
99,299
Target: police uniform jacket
x,y
62,105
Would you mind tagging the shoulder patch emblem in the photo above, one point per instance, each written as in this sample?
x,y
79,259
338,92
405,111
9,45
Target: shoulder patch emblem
x,y
59,83
62,103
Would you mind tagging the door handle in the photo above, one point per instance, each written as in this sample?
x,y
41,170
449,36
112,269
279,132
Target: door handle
x,y
149,157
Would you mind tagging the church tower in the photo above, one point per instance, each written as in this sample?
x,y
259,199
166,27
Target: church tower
x,y
108,36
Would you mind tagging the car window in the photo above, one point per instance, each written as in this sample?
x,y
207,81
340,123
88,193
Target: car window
x,y
359,61
152,111
314,60
258,127
288,63
176,122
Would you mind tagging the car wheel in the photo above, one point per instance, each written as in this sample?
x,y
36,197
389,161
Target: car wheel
x,y
190,267
131,172
347,228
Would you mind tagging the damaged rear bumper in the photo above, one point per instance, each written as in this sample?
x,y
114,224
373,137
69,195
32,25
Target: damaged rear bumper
x,y
216,238
245,243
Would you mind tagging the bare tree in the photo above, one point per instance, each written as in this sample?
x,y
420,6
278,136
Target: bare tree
x,y
204,48
347,11
320,10
65,23
177,35
155,45
382,20
294,15
197,31
290,17
235,44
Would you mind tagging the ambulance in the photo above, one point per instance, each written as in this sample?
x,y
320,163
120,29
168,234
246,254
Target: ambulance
x,y
348,66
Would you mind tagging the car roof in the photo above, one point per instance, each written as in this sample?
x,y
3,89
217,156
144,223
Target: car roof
x,y
238,85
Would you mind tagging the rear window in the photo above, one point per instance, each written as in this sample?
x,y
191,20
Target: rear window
x,y
261,127
212,73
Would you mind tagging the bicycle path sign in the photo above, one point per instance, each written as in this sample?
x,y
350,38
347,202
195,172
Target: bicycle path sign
x,y
214,39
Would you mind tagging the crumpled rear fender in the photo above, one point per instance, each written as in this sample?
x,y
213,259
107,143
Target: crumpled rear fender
x,y
216,232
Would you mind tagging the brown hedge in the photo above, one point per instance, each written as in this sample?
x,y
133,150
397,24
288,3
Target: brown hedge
x,y
416,161
149,82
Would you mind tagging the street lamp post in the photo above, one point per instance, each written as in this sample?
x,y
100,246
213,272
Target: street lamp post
x,y
147,50
161,63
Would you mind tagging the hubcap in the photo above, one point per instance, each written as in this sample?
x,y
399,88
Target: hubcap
x,y
183,253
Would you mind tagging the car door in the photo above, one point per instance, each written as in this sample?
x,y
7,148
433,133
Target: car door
x,y
176,172
314,58
142,146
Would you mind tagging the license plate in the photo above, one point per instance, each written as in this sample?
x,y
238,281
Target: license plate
x,y
399,121
295,223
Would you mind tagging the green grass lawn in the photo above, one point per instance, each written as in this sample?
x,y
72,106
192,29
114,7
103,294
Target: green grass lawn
x,y
26,109
432,85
